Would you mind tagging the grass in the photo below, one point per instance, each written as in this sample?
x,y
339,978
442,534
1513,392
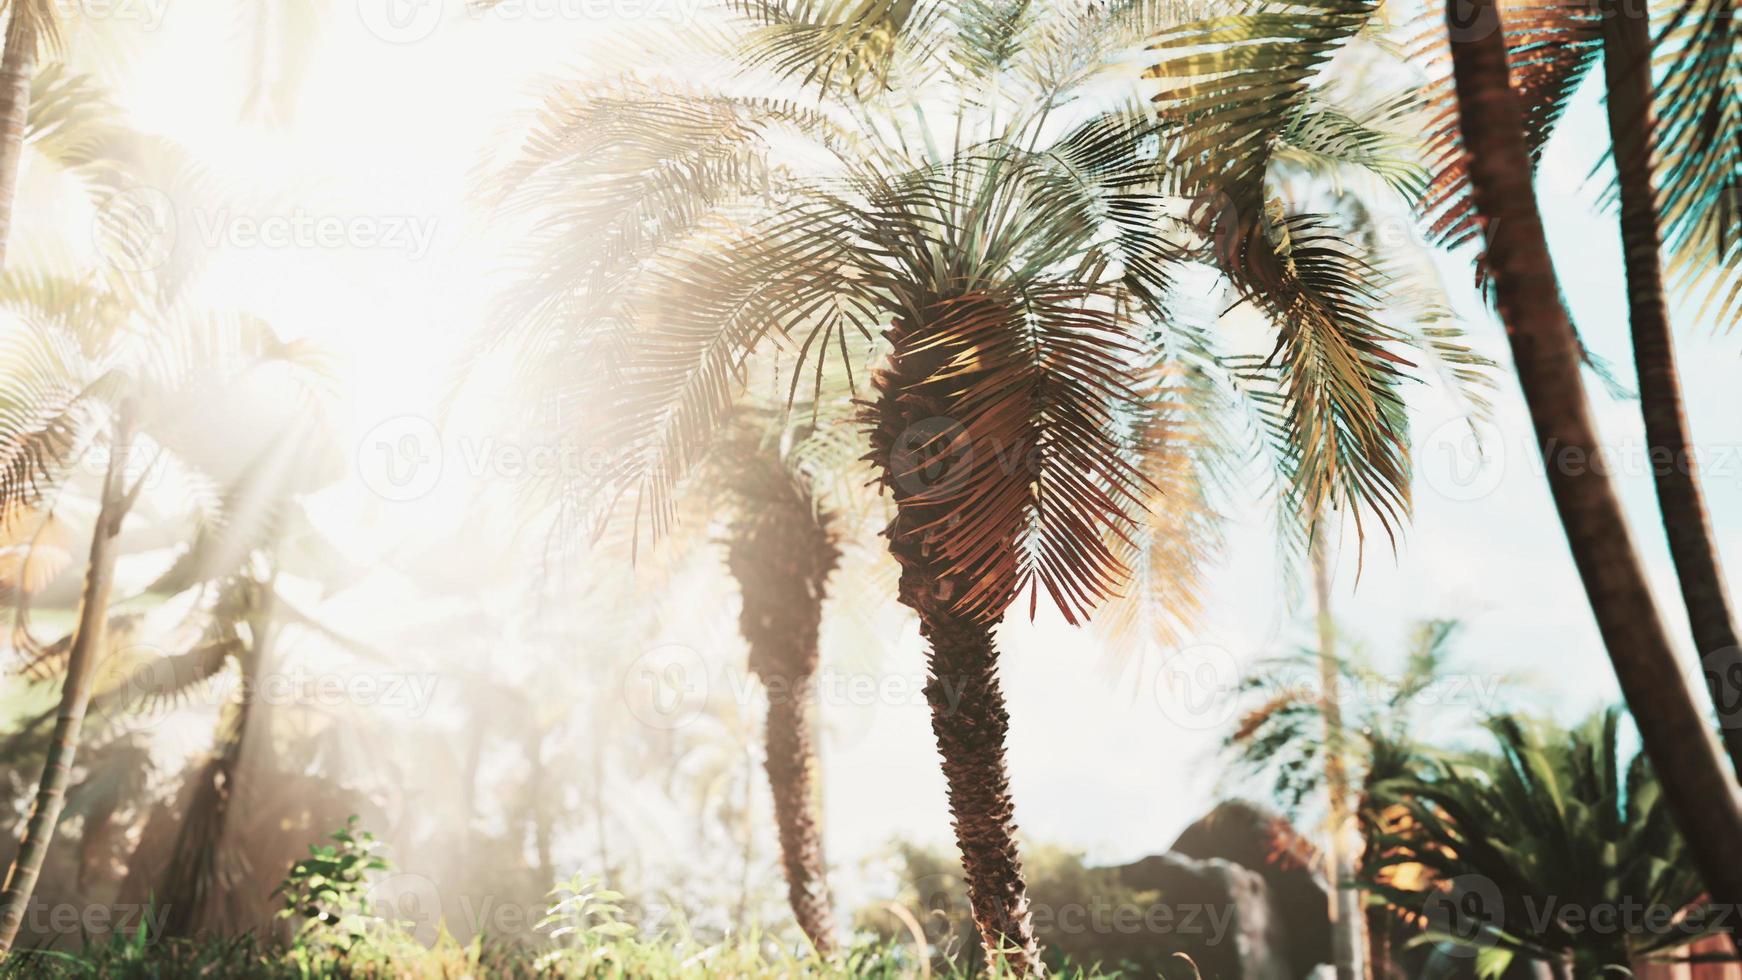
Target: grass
x,y
392,956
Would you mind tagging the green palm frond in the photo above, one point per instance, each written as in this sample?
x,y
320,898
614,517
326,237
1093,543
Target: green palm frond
x,y
1330,386
851,47
1584,827
1699,140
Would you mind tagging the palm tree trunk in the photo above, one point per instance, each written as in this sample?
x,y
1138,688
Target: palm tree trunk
x,y
1701,794
781,559
1345,901
86,649
194,865
970,723
17,68
1627,67
969,719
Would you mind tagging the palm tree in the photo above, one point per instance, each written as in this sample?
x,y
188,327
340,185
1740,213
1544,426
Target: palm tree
x,y
1627,62
1552,48
29,26
78,368
781,548
1547,355
1281,740
1584,829
953,203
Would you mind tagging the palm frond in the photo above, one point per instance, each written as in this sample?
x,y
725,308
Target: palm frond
x,y
1699,150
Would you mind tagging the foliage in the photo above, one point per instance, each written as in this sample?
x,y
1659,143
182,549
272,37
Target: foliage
x,y
1281,737
326,893
750,957
1523,851
950,179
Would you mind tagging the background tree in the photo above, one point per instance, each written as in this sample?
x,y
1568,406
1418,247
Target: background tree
x,y
1015,254
1547,356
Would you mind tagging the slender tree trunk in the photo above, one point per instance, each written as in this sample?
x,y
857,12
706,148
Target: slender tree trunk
x,y
970,722
86,649
194,863
1345,901
17,68
781,557
1699,789
1627,68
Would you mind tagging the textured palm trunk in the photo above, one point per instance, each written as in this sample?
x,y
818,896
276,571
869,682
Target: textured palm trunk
x,y
17,67
781,560
969,719
82,657
1345,910
970,723
1701,793
1627,69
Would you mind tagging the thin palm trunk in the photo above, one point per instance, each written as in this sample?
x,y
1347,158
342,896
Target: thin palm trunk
x,y
194,876
1632,125
782,560
1699,790
17,68
1345,902
85,650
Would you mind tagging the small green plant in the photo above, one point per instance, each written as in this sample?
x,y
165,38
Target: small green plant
x,y
585,920
326,892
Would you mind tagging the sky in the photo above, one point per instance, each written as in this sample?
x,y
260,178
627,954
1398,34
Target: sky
x,y
403,99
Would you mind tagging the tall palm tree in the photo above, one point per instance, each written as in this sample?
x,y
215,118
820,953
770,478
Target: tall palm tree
x,y
954,202
1692,222
29,26
1585,828
781,548
1547,356
77,367
1280,741
1627,68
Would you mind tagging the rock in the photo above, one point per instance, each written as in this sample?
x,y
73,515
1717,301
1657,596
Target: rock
x,y
1264,842
1216,912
